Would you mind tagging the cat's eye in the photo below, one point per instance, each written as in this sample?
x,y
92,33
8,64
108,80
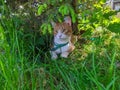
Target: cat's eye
x,y
63,30
56,31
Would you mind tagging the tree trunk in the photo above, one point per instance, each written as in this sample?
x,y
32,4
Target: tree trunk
x,y
75,28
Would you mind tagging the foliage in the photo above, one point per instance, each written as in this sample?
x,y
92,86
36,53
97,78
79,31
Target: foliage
x,y
99,15
25,39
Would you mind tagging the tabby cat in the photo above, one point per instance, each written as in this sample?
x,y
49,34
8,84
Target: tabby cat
x,y
63,44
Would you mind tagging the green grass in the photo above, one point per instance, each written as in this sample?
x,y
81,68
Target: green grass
x,y
91,66
85,69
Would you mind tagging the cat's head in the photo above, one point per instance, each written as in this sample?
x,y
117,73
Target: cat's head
x,y
63,30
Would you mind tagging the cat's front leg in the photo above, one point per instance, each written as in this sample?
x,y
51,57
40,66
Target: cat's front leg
x,y
64,54
53,55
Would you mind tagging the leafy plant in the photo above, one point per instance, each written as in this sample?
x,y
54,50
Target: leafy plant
x,y
25,39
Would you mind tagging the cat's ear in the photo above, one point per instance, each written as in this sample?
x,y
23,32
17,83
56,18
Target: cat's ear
x,y
68,20
53,23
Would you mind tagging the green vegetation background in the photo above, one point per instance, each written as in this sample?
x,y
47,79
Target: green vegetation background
x,y
26,35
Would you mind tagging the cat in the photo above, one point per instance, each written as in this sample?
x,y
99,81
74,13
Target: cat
x,y
63,43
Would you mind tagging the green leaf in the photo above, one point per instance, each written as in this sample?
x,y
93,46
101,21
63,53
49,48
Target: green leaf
x,y
114,27
61,0
72,14
42,8
49,28
46,28
61,8
64,9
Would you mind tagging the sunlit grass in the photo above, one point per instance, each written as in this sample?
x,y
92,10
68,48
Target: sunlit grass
x,y
91,66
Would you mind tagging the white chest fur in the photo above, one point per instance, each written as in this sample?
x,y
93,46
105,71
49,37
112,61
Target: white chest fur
x,y
64,50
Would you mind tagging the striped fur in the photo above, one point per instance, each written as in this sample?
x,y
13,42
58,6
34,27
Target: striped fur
x,y
62,34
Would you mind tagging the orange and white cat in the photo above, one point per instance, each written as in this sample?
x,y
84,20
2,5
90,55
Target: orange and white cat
x,y
62,39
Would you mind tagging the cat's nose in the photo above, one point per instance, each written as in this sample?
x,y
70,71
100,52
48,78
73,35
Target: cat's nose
x,y
60,36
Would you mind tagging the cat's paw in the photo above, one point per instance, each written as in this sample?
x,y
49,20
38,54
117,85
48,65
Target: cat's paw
x,y
54,57
64,54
